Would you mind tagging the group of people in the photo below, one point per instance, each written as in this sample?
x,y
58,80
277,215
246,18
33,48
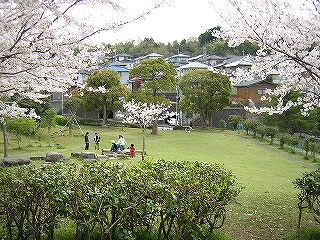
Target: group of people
x,y
96,140
115,146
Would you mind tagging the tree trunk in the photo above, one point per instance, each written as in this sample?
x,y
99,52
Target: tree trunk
x,y
5,138
49,137
9,229
154,128
105,116
205,123
70,124
143,142
299,221
50,232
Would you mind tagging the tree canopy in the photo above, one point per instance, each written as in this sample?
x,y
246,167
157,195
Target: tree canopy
x,y
204,93
103,92
291,120
156,75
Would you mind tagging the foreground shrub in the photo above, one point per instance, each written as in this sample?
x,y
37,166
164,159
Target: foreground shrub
x,y
189,194
157,200
31,200
309,196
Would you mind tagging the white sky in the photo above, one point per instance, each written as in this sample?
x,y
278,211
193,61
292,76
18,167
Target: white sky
x,y
174,20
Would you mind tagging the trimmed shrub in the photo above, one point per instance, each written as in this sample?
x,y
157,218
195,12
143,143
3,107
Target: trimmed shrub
x,y
61,120
235,120
89,121
222,124
159,200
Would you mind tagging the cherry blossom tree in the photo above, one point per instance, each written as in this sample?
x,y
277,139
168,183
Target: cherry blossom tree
x,y
144,115
37,48
157,76
288,34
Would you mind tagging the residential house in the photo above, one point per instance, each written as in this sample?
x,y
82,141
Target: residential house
x,y
178,60
123,60
149,56
196,58
122,57
230,65
252,90
122,71
81,77
124,64
211,60
191,66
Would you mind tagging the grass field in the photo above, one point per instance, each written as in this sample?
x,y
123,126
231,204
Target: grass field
x,y
265,209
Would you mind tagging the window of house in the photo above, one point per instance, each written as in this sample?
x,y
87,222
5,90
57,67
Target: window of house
x,y
262,91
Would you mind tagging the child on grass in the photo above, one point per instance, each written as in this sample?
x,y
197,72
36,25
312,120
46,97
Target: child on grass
x,y
132,150
114,148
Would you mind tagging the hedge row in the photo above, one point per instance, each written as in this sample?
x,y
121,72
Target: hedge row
x,y
160,199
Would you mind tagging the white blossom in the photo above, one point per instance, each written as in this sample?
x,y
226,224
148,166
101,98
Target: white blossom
x,y
288,34
38,40
144,114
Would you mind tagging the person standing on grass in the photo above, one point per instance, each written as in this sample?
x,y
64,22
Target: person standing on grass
x,y
132,150
86,141
121,143
96,139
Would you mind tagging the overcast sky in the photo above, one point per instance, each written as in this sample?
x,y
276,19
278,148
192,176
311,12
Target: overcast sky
x,y
174,20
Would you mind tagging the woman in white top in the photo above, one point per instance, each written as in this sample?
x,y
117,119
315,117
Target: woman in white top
x,y
122,143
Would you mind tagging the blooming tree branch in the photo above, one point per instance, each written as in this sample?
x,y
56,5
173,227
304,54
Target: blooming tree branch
x,y
38,42
288,37
144,115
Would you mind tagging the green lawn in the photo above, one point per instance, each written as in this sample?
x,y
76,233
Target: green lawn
x,y
266,208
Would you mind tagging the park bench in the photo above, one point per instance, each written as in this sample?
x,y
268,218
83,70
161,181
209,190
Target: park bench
x,y
138,152
125,153
109,153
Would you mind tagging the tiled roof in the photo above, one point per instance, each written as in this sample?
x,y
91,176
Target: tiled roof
x,y
115,68
252,82
194,65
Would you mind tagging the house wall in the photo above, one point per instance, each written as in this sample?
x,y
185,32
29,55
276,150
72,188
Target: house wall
x,y
124,77
254,92
214,62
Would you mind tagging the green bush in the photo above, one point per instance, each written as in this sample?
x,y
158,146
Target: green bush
x,y
235,120
310,234
271,132
61,120
309,196
162,200
89,121
222,124
251,125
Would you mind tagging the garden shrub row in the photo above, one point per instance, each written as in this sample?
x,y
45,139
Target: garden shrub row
x,y
293,141
150,200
